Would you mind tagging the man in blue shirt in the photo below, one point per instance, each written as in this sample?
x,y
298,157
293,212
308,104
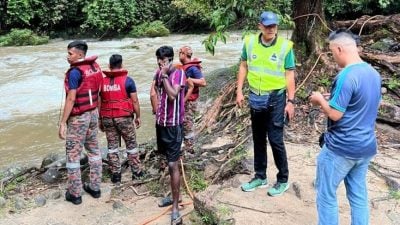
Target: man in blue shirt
x,y
350,141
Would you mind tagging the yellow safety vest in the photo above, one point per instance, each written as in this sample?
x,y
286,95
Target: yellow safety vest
x,y
266,65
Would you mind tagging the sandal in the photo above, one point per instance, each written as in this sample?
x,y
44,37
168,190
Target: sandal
x,y
176,219
167,201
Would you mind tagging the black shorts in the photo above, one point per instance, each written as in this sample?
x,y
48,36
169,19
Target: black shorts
x,y
169,141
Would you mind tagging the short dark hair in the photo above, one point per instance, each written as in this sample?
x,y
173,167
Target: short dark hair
x,y
116,61
165,51
81,45
343,32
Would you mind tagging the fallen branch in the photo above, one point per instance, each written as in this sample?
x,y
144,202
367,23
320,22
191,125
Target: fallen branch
x,y
252,209
233,149
137,193
211,117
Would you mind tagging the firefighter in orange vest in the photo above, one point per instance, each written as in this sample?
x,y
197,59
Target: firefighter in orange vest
x,y
119,114
192,68
80,115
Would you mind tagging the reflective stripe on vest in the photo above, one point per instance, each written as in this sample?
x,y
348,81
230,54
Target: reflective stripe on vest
x,y
266,69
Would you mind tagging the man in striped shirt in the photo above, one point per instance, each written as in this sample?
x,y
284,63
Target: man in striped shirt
x,y
168,104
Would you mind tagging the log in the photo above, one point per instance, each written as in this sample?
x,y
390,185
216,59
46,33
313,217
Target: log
x,y
390,58
210,119
391,22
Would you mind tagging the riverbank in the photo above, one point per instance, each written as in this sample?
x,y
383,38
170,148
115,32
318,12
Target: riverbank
x,y
223,160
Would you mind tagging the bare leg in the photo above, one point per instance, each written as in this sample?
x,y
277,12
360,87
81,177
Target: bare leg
x,y
175,184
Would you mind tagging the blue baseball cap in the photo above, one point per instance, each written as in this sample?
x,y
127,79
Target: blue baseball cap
x,y
269,18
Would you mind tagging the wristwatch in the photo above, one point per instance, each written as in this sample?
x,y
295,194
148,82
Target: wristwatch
x,y
291,101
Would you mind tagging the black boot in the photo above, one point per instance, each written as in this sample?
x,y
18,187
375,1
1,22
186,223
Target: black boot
x,y
138,175
94,194
116,178
73,199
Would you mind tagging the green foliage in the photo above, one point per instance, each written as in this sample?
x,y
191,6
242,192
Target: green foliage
x,y
224,14
110,15
302,94
395,194
196,181
393,83
153,29
148,10
325,81
19,13
22,37
338,8
211,41
154,187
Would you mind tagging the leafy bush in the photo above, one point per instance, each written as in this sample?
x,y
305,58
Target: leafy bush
x,y
19,37
153,29
110,15
356,8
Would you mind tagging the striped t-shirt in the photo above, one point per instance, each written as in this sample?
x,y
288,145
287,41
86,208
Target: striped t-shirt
x,y
170,112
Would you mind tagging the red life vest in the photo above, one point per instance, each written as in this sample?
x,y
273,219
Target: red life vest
x,y
88,91
197,63
115,102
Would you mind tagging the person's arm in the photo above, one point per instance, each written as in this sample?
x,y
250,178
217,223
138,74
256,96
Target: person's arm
x,y
240,81
101,127
317,98
201,82
153,97
171,90
197,77
73,83
69,104
131,91
290,88
290,66
190,89
136,108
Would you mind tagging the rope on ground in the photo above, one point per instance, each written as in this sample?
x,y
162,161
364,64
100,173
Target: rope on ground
x,y
184,179
309,73
163,213
169,207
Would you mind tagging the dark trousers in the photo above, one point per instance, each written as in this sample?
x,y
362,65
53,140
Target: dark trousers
x,y
269,123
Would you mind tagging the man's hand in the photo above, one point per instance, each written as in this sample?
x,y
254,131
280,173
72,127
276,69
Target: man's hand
x,y
165,67
239,99
190,82
138,123
316,98
289,110
61,131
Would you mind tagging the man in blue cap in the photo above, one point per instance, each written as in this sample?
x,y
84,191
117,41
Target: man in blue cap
x,y
268,62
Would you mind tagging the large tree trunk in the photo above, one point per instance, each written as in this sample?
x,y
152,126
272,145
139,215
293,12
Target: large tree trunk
x,y
3,13
309,33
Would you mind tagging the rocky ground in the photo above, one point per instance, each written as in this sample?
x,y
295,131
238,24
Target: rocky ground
x,y
222,203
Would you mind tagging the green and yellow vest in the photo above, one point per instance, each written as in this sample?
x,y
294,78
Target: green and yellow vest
x,y
266,65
